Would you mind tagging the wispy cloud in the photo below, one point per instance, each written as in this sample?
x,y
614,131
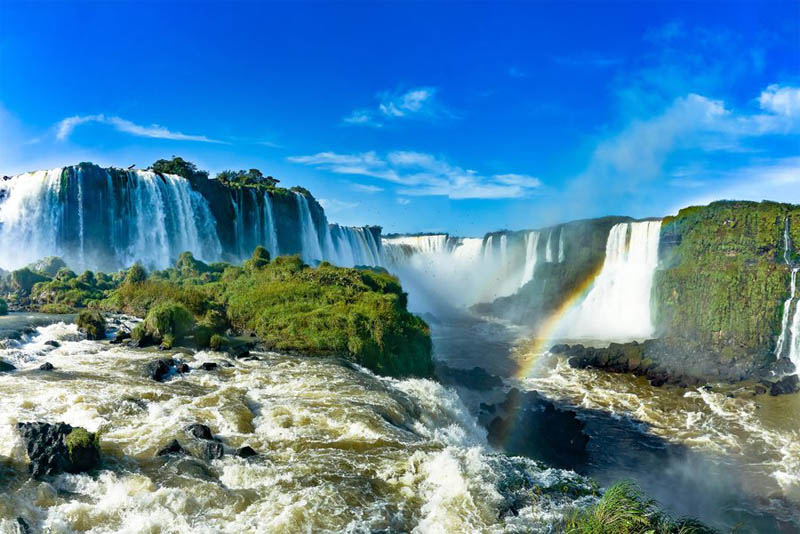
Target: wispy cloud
x,y
66,126
420,103
421,174
403,201
516,72
364,188
333,205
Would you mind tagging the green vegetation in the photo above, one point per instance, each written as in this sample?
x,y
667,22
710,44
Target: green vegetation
x,y
623,509
93,323
355,314
251,178
723,279
180,167
81,439
3,307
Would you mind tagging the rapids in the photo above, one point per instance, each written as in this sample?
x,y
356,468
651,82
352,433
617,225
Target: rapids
x,y
341,450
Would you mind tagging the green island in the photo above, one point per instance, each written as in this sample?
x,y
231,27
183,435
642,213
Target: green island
x,y
357,314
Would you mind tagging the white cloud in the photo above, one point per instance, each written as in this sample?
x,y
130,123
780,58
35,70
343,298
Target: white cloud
x,y
421,174
417,103
364,188
781,100
403,201
65,128
332,205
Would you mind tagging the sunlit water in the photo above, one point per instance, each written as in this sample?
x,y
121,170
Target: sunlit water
x,y
341,450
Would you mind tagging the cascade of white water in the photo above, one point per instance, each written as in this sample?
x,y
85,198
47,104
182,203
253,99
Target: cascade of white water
x,y
272,231
145,217
548,249
561,254
531,249
789,339
617,307
312,251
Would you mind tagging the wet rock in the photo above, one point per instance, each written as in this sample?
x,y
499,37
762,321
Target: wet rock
x,y
92,323
760,389
52,343
783,366
238,351
246,452
6,367
199,431
174,448
46,366
57,448
208,366
529,425
120,336
183,368
24,527
213,450
159,370
476,378
785,386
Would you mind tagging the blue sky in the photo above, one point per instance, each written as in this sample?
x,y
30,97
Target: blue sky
x,y
420,117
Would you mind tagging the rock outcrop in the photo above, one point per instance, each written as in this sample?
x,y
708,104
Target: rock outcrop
x,y
58,448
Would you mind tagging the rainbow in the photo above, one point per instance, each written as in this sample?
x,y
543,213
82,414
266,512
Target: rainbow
x,y
550,326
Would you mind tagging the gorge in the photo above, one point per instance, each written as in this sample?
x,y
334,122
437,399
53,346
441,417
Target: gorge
x,y
705,298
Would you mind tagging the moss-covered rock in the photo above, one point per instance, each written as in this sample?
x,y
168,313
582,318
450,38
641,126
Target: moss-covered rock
x,y
719,292
92,323
169,319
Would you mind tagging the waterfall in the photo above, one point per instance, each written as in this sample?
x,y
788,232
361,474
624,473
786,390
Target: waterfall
x,y
94,220
107,219
548,250
561,255
617,307
531,249
790,333
308,231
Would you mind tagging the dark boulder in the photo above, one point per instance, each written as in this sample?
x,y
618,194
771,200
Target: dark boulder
x,y
46,366
92,323
6,367
785,386
783,366
238,351
52,343
174,448
159,370
121,336
208,366
58,448
527,424
246,452
476,378
199,431
213,450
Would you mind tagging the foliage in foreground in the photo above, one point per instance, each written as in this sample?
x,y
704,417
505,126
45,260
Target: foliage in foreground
x,y
356,314
623,509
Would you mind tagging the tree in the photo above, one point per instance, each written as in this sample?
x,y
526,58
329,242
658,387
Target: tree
x,y
181,167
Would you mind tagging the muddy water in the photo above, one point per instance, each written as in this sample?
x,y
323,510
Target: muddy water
x,y
739,459
340,450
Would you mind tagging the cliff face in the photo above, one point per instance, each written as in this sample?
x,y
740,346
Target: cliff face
x,y
584,246
719,292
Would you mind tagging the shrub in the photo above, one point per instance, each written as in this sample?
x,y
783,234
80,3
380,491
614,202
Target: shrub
x,y
56,309
135,274
92,323
169,318
217,342
24,279
623,509
3,307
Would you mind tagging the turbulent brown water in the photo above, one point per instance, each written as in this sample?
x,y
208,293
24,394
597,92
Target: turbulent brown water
x,y
341,450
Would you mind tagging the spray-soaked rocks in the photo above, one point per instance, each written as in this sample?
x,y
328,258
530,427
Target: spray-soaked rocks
x,y
161,369
636,358
527,424
58,448
476,378
785,386
92,323
6,367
